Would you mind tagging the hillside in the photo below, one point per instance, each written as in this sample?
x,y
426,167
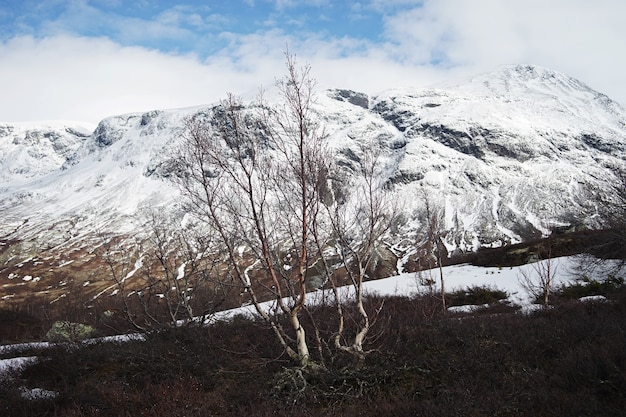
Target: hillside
x,y
506,156
567,361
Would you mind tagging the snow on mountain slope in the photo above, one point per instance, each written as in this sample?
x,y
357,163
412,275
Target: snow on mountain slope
x,y
511,151
29,150
94,187
505,156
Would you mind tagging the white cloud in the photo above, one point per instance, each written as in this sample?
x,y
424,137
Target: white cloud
x,y
583,39
70,77
86,79
74,78
285,4
81,17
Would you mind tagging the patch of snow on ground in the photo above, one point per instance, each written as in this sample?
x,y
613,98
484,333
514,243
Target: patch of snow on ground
x,y
14,365
592,298
456,277
38,394
466,308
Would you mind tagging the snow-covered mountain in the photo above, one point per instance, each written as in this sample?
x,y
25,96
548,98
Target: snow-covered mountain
x,y
506,155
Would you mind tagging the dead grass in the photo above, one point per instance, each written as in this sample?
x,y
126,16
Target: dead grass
x,y
570,360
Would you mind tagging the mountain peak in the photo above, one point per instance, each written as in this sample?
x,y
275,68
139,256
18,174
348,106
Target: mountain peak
x,y
525,80
504,156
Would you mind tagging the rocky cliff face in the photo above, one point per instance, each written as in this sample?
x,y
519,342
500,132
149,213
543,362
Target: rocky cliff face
x,y
29,152
508,155
505,156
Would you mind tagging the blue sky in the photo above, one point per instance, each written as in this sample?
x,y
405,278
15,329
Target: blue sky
x,y
195,26
88,59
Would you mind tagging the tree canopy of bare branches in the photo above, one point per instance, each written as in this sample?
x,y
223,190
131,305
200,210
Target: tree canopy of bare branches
x,y
261,178
255,176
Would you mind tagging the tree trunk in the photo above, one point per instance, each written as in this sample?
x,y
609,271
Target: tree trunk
x,y
303,349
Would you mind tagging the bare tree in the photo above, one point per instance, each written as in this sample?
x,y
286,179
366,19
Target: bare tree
x,y
430,249
255,178
180,268
260,177
611,208
118,262
539,278
358,225
173,279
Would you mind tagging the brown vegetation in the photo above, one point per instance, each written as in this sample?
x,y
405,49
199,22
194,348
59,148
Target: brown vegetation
x,y
569,360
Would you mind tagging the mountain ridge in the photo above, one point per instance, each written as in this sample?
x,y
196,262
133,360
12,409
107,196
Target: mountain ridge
x,y
506,156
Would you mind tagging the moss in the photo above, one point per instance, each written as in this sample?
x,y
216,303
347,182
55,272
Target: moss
x,y
65,331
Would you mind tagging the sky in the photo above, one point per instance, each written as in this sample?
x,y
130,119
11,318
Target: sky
x,y
84,60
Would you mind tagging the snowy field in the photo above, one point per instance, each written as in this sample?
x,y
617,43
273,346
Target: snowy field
x,y
456,277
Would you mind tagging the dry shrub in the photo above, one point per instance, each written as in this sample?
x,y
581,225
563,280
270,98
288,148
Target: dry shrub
x,y
568,360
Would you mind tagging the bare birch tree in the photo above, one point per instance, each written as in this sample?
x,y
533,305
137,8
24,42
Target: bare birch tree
x,y
172,281
255,177
539,278
431,249
180,270
357,226
609,254
120,268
